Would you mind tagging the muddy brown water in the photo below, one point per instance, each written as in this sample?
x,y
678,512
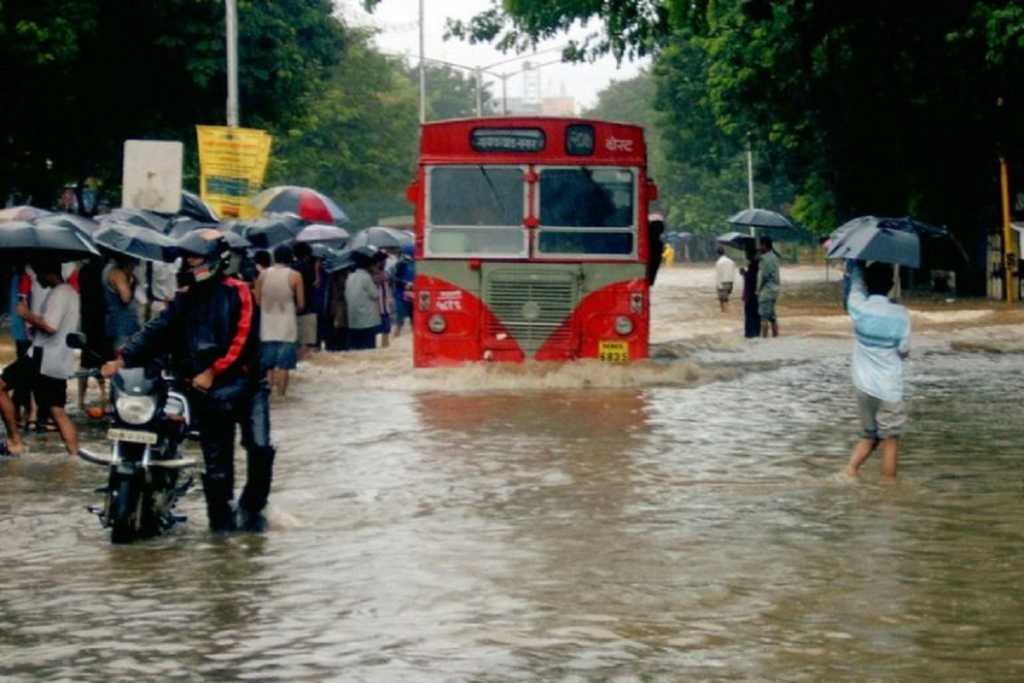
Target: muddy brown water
x,y
680,520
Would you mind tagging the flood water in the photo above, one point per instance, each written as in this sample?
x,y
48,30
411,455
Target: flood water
x,y
679,520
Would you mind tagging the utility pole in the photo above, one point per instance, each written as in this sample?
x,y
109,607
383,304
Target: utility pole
x,y
231,19
1009,258
750,176
423,72
750,183
478,72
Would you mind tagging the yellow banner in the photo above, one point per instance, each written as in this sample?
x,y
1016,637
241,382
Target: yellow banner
x,y
232,163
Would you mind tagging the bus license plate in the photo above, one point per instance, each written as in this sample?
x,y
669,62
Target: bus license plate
x,y
131,436
613,351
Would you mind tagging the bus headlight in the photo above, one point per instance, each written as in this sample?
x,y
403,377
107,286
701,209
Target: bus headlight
x,y
436,323
135,410
623,325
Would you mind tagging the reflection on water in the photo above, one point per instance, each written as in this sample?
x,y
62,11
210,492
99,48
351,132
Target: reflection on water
x,y
667,529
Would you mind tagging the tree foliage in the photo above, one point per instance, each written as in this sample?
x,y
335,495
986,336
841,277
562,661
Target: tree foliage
x,y
356,137
81,76
866,107
451,93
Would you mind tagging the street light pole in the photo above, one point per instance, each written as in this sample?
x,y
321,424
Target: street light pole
x,y
750,176
231,29
479,95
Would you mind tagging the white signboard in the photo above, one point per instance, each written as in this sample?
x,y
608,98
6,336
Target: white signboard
x,y
152,175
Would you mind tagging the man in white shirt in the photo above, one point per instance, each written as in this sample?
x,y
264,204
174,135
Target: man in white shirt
x,y
882,333
725,273
52,360
156,285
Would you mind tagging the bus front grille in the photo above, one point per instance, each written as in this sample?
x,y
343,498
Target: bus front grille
x,y
531,307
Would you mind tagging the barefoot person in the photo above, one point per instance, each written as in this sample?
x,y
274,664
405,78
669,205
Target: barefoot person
x,y
882,332
280,295
51,362
725,272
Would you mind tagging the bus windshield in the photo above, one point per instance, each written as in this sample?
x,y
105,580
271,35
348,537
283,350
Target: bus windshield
x,y
587,210
476,210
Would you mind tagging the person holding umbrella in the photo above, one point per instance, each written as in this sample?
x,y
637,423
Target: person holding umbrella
x,y
51,362
768,284
881,331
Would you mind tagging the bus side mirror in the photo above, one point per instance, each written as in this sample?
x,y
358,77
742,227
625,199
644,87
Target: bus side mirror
x,y
652,191
412,193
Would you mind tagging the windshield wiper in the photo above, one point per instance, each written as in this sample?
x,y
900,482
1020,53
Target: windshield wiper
x,y
494,190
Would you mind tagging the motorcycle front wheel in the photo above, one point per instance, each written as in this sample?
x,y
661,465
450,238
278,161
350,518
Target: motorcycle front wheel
x,y
125,509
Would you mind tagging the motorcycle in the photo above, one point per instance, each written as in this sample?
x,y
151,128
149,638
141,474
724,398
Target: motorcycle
x,y
152,419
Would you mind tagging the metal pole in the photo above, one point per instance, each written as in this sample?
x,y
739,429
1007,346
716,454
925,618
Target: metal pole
x,y
479,95
504,93
231,19
423,72
750,176
1009,258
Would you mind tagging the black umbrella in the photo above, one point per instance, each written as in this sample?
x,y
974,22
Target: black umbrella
x,y
873,239
736,239
24,241
182,225
22,213
269,231
137,241
70,220
193,206
761,218
139,217
339,260
381,237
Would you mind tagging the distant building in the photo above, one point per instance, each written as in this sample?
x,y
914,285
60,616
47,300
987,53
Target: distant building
x,y
563,105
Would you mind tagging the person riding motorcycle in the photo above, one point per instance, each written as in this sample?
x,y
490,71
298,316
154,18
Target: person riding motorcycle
x,y
210,333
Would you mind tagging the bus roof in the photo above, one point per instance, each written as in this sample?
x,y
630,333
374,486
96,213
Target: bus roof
x,y
532,139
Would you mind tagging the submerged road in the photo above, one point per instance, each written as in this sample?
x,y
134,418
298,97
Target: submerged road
x,y
677,520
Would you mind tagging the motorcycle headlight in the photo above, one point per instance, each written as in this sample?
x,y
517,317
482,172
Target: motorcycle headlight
x,y
623,325
135,410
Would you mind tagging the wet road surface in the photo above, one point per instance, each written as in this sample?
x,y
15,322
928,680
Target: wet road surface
x,y
679,520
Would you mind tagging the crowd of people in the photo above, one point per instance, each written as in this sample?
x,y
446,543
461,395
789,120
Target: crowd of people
x,y
305,308
257,322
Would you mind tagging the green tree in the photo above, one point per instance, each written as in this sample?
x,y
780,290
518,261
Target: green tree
x,y
357,138
81,76
868,107
451,93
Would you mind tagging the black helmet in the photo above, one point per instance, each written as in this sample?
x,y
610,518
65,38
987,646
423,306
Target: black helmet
x,y
209,245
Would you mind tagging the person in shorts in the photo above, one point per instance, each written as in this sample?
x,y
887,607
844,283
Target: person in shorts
x,y
725,273
51,361
280,294
881,330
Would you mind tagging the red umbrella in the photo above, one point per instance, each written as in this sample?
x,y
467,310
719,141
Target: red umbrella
x,y
304,202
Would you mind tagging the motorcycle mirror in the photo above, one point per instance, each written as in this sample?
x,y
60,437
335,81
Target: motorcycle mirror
x,y
76,340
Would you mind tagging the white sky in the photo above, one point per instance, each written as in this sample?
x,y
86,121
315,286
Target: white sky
x,y
397,20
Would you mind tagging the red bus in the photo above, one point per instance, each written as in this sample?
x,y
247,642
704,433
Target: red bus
x,y
531,241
